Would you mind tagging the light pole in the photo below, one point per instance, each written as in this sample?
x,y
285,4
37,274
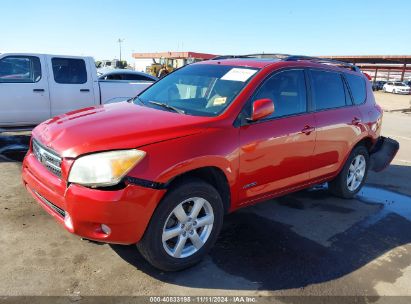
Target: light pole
x,y
120,41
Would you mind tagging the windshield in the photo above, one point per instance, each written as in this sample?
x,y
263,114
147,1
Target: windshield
x,y
399,84
203,90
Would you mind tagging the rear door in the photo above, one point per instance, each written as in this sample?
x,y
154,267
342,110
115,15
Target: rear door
x,y
24,92
337,119
71,84
276,152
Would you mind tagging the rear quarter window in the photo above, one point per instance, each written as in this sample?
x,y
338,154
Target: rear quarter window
x,y
357,87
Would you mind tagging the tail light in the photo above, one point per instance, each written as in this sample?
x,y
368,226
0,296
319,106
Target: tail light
x,y
368,76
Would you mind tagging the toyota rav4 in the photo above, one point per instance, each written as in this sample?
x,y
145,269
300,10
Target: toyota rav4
x,y
162,169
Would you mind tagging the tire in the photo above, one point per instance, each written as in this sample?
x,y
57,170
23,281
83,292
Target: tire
x,y
160,249
341,186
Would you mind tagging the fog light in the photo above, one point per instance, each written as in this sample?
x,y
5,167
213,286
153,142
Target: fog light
x,y
106,229
67,221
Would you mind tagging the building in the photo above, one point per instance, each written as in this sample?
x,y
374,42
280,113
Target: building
x,y
381,67
177,59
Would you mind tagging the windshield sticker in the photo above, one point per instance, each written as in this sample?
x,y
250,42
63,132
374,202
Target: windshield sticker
x,y
236,74
219,101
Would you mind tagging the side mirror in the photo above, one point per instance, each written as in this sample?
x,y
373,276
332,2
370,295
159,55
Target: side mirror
x,y
261,108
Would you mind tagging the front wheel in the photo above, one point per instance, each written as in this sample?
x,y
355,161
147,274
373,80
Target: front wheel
x,y
184,226
353,175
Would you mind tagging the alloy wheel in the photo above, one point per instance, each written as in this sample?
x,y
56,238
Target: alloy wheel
x,y
356,172
188,227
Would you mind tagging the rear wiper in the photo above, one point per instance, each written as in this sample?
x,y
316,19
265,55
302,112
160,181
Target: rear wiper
x,y
166,106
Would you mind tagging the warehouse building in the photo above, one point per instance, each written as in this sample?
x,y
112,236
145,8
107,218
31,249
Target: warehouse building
x,y
379,67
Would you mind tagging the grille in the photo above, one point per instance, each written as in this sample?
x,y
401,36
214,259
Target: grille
x,y
51,205
48,158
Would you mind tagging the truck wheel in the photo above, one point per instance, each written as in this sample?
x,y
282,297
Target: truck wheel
x,y
353,175
184,226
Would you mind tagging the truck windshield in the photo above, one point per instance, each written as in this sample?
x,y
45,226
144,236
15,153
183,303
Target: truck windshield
x,y
200,89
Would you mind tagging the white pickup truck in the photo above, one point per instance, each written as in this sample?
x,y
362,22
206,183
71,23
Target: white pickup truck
x,y
36,87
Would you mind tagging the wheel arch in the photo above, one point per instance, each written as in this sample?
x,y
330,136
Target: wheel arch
x,y
367,141
212,175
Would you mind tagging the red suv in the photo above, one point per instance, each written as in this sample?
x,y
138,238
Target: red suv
x,y
162,169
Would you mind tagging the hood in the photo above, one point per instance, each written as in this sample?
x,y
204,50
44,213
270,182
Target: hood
x,y
114,126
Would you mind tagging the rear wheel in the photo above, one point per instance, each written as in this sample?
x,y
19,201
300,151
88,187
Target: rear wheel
x,y
184,226
353,175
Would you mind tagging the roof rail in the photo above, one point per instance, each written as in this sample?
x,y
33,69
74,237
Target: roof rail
x,y
287,57
324,60
268,55
222,57
261,56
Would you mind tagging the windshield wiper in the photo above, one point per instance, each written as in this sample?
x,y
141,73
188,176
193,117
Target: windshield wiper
x,y
166,106
136,98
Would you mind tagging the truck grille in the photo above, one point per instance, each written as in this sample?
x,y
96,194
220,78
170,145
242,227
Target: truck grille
x,y
47,158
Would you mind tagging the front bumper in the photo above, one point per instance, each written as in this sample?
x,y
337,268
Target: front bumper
x,y
126,211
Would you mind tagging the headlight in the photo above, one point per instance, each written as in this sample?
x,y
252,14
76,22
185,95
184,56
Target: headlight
x,y
105,168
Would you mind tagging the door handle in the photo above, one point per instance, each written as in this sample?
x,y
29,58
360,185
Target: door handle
x,y
38,90
84,90
308,130
356,121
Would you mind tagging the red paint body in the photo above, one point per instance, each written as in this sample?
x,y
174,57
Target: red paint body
x,y
278,156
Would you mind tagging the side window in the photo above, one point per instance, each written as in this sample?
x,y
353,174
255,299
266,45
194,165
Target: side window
x,y
288,92
148,79
327,90
357,86
114,77
20,69
137,77
69,70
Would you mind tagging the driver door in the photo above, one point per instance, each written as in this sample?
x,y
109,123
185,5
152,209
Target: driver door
x,y
276,152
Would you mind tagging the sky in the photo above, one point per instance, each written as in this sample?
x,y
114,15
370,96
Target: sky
x,y
316,27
